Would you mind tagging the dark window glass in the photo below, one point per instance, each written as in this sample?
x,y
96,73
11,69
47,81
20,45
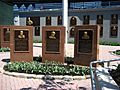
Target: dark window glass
x,y
86,19
37,30
59,20
73,21
48,20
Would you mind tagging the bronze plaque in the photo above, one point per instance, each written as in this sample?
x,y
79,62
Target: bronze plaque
x,y
6,34
21,40
52,41
85,41
86,48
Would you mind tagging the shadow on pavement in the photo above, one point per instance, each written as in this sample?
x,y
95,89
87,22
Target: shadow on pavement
x,y
29,88
6,60
82,88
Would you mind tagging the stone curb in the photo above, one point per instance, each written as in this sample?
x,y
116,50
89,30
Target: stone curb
x,y
30,76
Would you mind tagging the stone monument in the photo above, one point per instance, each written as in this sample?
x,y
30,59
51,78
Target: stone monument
x,y
21,43
53,40
86,47
5,36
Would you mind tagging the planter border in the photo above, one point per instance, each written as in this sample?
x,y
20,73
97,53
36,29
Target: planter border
x,y
34,76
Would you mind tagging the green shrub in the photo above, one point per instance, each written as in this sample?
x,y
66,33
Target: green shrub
x,y
69,60
4,49
71,42
117,52
47,68
110,43
38,59
36,41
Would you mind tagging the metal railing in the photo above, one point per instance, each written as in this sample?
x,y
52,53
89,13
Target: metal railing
x,y
92,73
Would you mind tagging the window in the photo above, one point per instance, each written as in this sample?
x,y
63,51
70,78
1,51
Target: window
x,y
114,19
99,19
86,19
72,32
113,31
33,21
59,20
37,30
73,21
48,20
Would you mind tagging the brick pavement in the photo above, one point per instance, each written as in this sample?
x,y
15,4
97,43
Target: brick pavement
x,y
16,83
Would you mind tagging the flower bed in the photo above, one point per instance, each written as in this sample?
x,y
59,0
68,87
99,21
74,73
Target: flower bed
x,y
48,68
4,49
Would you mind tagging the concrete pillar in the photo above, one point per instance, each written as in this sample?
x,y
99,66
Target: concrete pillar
x,y
65,16
17,20
22,21
92,19
106,28
54,21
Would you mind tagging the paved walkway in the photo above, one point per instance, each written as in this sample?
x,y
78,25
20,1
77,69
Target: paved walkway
x,y
16,83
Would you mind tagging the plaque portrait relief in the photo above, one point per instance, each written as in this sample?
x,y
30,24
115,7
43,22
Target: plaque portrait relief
x,y
52,36
6,32
21,35
21,40
52,41
29,21
85,35
85,41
